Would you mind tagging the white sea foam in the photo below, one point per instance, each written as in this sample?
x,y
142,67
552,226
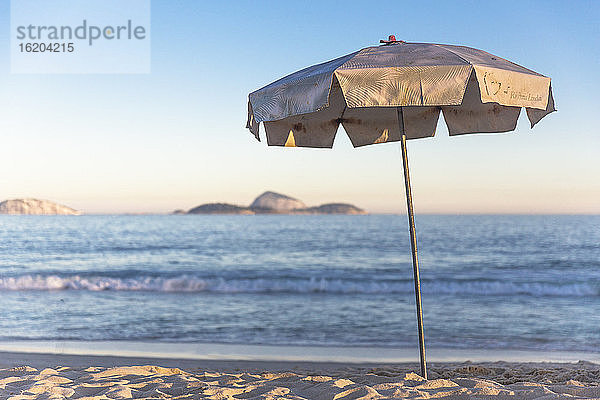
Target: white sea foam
x,y
187,283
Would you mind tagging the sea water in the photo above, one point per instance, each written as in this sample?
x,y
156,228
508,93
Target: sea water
x,y
488,282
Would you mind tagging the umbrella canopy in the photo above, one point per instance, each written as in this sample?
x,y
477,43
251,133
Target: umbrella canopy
x,y
475,91
395,92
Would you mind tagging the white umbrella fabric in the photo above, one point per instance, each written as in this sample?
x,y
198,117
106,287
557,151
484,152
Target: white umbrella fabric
x,y
395,92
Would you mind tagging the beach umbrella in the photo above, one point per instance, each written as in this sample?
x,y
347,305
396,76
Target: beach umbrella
x,y
395,92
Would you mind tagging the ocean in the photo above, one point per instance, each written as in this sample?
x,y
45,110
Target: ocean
x,y
488,282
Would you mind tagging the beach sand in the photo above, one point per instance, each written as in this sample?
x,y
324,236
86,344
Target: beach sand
x,y
52,376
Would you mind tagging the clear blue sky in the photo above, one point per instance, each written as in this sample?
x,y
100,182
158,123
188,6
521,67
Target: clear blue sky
x,y
175,138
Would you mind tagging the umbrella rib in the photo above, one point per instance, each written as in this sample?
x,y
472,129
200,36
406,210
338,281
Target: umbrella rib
x,y
456,54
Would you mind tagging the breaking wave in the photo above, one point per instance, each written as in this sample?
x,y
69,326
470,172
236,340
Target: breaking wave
x,y
189,283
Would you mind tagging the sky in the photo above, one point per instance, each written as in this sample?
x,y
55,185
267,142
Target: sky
x,y
175,137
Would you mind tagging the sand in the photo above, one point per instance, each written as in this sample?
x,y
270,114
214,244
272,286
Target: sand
x,y
45,376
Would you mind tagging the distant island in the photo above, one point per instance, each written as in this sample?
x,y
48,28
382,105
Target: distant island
x,y
35,207
266,203
274,203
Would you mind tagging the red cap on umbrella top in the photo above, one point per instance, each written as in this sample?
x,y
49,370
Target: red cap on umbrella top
x,y
391,39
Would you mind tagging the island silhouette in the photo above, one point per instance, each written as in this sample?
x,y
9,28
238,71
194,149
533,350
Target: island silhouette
x,y
274,203
267,203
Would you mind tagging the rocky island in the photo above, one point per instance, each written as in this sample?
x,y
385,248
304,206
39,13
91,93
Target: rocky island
x,y
35,207
219,208
274,203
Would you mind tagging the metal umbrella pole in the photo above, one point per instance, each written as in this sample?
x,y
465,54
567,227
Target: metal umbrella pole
x,y
413,244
